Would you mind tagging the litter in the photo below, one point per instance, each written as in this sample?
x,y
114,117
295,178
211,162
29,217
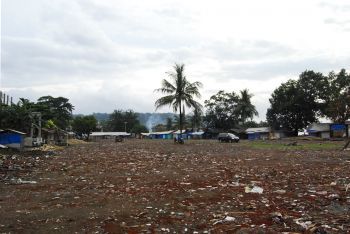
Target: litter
x,y
227,219
253,189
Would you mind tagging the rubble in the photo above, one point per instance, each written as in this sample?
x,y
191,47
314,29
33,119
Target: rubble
x,y
151,186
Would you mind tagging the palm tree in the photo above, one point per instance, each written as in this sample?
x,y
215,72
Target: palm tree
x,y
246,109
180,92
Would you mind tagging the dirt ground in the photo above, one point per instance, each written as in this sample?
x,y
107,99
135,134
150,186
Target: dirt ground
x,y
156,186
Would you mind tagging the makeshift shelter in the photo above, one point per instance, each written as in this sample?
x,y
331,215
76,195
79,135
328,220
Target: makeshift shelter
x,y
319,130
184,134
262,133
98,136
196,135
55,136
339,130
159,135
12,139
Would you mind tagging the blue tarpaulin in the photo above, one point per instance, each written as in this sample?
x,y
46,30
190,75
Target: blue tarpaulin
x,y
338,127
10,138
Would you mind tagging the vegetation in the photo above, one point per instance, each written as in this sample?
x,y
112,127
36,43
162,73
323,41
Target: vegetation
x,y
84,125
270,145
180,93
297,103
54,112
337,105
228,110
120,121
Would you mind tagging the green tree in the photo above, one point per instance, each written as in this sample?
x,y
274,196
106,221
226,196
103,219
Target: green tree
x,y
222,110
196,118
179,92
59,110
84,125
337,100
169,124
120,121
16,116
139,128
245,108
293,107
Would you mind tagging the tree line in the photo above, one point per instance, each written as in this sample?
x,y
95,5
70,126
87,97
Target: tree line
x,y
293,105
297,103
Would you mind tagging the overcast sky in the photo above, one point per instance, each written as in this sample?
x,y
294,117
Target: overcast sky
x,y
108,54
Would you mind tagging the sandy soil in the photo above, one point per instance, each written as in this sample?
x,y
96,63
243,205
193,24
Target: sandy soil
x,y
157,186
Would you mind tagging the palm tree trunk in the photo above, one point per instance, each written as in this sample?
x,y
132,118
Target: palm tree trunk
x,y
180,120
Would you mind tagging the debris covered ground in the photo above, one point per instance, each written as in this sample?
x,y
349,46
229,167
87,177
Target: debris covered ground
x,y
158,186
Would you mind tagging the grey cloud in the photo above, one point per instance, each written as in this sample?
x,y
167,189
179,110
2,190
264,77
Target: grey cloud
x,y
335,6
282,67
247,50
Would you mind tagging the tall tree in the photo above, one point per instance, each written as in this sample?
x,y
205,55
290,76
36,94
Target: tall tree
x,y
296,103
222,110
196,118
179,92
337,100
84,125
57,109
245,108
121,121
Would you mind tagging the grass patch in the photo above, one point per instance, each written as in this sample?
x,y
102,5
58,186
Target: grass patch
x,y
300,145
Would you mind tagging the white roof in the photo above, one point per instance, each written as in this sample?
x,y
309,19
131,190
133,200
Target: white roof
x,y
197,133
11,130
258,130
318,127
161,133
110,134
178,132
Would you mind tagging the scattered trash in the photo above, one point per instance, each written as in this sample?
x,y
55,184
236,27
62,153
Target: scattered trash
x,y
20,181
280,191
304,224
253,189
227,219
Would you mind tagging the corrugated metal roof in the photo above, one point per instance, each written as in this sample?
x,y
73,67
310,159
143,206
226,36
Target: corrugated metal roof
x,y
110,134
11,130
196,133
318,127
161,133
256,130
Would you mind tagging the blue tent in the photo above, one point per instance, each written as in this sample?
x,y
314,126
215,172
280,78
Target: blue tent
x,y
12,138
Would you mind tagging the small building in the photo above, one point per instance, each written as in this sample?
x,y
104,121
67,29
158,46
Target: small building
x,y
160,135
98,136
321,130
339,130
55,136
12,139
184,134
196,135
262,133
278,134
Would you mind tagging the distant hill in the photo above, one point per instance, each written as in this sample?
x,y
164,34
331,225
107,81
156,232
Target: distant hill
x,y
147,119
101,116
